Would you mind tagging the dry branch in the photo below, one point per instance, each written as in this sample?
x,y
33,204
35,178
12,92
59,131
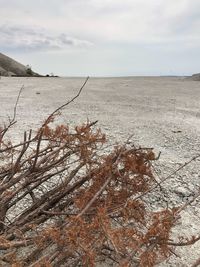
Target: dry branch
x,y
65,200
13,120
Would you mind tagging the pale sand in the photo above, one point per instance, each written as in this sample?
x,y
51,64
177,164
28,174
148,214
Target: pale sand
x,y
160,112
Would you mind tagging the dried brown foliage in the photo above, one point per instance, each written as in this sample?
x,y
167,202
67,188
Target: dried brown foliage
x,y
68,200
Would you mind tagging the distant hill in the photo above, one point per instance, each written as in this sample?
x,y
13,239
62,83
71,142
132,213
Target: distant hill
x,y
195,77
10,67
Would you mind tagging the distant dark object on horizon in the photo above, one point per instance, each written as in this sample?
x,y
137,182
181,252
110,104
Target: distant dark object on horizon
x,y
12,68
195,77
51,76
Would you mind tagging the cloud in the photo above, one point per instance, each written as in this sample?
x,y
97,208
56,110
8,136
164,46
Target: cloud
x,y
136,31
107,20
36,39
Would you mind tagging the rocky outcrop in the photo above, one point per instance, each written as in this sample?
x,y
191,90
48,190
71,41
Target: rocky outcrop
x,y
10,67
195,77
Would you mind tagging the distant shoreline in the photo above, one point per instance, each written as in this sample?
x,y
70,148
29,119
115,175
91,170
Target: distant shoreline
x,y
97,77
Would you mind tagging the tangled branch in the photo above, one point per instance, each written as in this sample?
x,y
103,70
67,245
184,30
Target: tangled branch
x,y
65,201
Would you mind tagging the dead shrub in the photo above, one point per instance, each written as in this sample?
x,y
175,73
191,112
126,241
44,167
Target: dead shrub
x,y
65,200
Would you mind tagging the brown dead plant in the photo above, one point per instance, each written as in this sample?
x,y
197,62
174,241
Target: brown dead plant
x,y
65,200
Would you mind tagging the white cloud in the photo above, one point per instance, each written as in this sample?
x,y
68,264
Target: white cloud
x,y
30,39
125,29
108,20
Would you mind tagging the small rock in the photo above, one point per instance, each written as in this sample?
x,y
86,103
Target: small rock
x,y
176,131
182,191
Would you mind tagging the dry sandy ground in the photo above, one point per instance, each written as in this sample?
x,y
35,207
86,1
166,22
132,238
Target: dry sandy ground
x,y
159,112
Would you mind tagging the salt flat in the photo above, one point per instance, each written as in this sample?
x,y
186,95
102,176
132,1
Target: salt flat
x,y
158,112
162,112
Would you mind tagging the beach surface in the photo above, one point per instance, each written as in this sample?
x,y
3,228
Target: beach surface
x,y
158,112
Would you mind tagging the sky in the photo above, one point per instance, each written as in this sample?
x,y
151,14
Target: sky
x,y
103,37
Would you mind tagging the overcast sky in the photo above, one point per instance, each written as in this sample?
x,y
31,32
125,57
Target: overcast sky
x,y
103,37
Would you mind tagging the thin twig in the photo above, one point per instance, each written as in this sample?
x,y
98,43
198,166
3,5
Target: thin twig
x,y
12,121
183,244
64,105
98,193
16,103
166,178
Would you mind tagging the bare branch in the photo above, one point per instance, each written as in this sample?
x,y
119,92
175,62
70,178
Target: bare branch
x,y
12,121
64,105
